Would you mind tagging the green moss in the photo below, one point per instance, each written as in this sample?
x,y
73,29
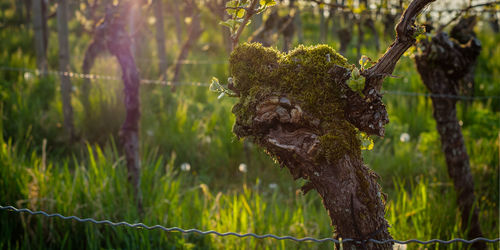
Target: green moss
x,y
305,75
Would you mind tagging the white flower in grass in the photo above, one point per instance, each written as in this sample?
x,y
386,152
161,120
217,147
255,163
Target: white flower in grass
x,y
185,167
273,185
404,137
243,167
28,76
150,132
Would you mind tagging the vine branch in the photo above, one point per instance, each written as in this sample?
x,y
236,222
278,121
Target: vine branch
x,y
369,114
248,14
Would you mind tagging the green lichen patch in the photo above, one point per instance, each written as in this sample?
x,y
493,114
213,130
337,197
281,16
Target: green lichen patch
x,y
310,76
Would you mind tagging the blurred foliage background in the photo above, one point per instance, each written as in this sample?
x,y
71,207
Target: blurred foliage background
x,y
224,184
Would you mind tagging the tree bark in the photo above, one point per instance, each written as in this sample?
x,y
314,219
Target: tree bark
x,y
62,34
112,35
311,132
442,64
38,27
348,188
160,38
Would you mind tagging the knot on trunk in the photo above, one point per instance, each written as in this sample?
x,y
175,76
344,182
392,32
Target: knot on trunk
x,y
300,97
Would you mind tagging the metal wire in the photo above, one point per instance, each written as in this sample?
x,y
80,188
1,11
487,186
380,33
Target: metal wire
x,y
200,84
100,77
460,97
257,236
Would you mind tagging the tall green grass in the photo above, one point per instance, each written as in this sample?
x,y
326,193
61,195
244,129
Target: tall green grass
x,y
40,171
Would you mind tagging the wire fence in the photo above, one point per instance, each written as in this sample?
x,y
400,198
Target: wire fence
x,y
239,235
201,84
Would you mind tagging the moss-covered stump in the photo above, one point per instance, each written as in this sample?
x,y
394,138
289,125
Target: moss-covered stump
x,y
294,106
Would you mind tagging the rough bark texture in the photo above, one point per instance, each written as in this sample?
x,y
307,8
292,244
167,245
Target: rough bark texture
x,y
38,27
62,34
283,120
463,31
442,64
160,37
111,35
299,108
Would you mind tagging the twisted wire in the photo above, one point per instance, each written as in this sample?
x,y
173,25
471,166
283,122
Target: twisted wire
x,y
200,84
459,97
99,77
257,236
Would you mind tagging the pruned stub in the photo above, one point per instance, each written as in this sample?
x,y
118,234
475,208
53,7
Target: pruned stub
x,y
294,106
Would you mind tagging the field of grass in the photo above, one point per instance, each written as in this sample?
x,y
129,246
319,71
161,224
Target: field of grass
x,y
40,171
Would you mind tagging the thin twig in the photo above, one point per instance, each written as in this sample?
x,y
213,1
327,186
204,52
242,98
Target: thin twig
x,y
248,14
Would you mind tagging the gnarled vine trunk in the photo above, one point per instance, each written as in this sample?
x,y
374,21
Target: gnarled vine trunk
x,y
299,108
112,36
285,124
442,65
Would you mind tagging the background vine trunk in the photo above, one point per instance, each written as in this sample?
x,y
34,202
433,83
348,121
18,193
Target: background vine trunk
x,y
442,65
